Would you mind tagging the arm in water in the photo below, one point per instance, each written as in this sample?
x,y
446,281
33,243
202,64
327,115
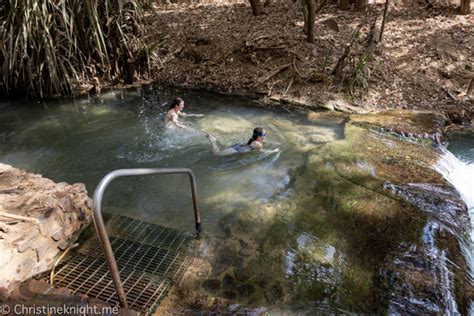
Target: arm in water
x,y
172,117
190,114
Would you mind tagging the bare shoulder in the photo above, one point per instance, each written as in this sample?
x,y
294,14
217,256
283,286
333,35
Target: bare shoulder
x,y
170,115
256,145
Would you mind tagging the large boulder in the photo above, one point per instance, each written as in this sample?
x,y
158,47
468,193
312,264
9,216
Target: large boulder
x,y
38,219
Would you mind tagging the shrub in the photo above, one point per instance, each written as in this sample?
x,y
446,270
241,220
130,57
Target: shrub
x,y
50,47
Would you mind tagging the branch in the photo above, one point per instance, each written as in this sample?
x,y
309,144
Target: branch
x,y
296,69
340,63
19,217
272,74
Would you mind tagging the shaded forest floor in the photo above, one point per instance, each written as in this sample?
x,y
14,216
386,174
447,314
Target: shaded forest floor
x,y
424,62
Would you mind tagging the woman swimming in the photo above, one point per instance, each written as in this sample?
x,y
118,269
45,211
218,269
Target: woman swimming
x,y
175,111
254,143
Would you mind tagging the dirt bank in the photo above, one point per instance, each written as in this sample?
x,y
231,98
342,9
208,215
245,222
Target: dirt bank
x,y
425,61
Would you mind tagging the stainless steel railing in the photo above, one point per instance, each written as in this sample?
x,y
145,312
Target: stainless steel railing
x,y
99,221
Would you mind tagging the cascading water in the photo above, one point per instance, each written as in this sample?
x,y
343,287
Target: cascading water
x,y
461,175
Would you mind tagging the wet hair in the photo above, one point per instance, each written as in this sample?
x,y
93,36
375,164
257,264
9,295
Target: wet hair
x,y
257,132
176,102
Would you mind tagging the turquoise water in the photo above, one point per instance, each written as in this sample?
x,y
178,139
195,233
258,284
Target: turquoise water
x,y
82,141
317,253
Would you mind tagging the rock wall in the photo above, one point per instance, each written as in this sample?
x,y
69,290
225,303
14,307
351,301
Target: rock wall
x,y
38,219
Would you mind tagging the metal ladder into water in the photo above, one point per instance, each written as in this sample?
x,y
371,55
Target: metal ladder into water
x,y
138,263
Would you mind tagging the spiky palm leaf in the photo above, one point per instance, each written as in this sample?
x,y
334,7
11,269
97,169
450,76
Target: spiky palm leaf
x,y
48,47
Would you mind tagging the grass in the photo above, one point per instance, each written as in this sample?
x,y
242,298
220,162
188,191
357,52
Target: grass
x,y
51,47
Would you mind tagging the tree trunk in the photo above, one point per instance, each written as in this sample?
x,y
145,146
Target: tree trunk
x,y
304,8
257,7
344,5
360,4
383,19
309,21
465,7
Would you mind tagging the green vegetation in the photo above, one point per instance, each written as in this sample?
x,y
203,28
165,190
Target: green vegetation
x,y
50,47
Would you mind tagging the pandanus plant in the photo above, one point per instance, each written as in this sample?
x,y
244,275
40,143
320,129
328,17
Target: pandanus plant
x,y
51,47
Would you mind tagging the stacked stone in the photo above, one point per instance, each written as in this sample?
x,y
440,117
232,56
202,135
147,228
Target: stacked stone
x,y
38,219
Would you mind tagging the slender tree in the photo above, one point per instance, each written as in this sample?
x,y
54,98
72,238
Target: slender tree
x,y
383,20
257,7
309,20
465,7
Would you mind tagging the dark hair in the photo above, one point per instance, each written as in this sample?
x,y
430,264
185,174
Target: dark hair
x,y
257,132
175,102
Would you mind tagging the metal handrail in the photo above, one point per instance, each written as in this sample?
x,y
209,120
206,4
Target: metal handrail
x,y
99,221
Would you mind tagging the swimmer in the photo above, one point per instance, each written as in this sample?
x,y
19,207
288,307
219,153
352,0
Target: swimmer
x,y
175,111
254,143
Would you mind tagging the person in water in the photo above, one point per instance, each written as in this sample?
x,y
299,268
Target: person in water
x,y
254,143
175,111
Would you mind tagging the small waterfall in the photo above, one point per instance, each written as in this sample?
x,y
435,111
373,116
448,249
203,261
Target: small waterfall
x,y
461,175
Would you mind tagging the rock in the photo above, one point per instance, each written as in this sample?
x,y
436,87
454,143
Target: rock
x,y
25,242
23,265
45,248
342,106
37,218
331,24
413,124
211,284
228,280
242,274
328,117
6,253
274,293
229,295
245,290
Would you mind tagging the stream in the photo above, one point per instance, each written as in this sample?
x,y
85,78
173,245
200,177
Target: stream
x,y
337,221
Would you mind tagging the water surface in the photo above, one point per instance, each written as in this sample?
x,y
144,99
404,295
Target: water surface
x,y
81,141
306,230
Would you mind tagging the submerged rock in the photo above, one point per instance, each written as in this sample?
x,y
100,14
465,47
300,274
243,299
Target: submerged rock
x,y
412,124
370,227
38,219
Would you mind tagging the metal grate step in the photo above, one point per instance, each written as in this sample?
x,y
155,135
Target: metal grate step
x,y
150,259
149,234
91,277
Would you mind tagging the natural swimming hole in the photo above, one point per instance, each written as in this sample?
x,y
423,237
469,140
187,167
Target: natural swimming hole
x,y
292,231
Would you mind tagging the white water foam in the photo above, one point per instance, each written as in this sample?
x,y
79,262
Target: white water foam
x,y
461,175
